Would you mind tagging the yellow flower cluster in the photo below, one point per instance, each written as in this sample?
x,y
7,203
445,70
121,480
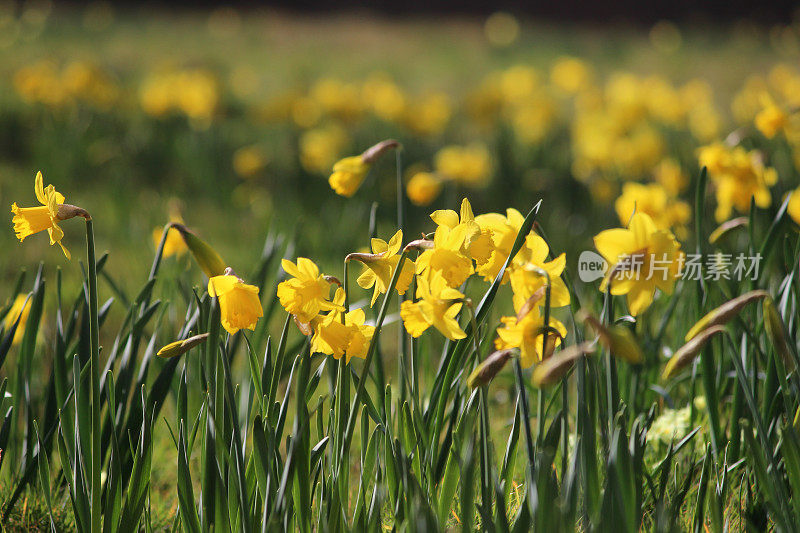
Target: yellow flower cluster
x,y
738,175
76,82
191,92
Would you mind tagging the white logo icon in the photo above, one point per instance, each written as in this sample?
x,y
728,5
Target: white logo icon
x,y
591,266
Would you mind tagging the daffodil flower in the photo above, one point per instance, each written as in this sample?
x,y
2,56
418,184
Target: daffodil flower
x,y
305,294
335,337
438,306
527,271
239,304
446,256
477,241
30,220
504,231
526,332
379,266
18,310
348,175
654,251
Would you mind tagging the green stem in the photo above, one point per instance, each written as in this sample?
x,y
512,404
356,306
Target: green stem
x,y
94,335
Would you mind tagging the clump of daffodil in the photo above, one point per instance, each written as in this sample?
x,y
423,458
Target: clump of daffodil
x,y
30,220
738,175
19,310
641,258
437,305
239,304
477,242
423,188
350,337
306,293
174,244
666,211
349,173
379,266
526,332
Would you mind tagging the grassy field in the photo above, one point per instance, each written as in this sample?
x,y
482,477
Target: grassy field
x,y
498,379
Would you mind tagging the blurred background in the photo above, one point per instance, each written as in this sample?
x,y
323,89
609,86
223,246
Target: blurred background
x,y
230,117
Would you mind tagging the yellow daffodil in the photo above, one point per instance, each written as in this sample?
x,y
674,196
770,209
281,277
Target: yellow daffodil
x,y
306,293
249,161
423,188
641,259
771,119
667,212
526,275
350,338
794,206
18,310
504,231
437,306
470,165
239,304
668,173
379,267
348,175
174,245
738,175
526,333
478,241
446,256
30,220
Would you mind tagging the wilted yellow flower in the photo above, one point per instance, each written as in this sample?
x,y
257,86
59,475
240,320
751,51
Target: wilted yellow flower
x,y
306,293
738,176
239,304
249,161
437,306
525,332
470,165
652,199
30,220
379,267
348,175
18,310
641,259
423,188
446,257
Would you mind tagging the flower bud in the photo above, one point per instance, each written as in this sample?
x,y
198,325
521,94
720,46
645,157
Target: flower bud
x,y
485,372
207,258
619,340
776,331
686,353
725,312
174,349
553,369
372,153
